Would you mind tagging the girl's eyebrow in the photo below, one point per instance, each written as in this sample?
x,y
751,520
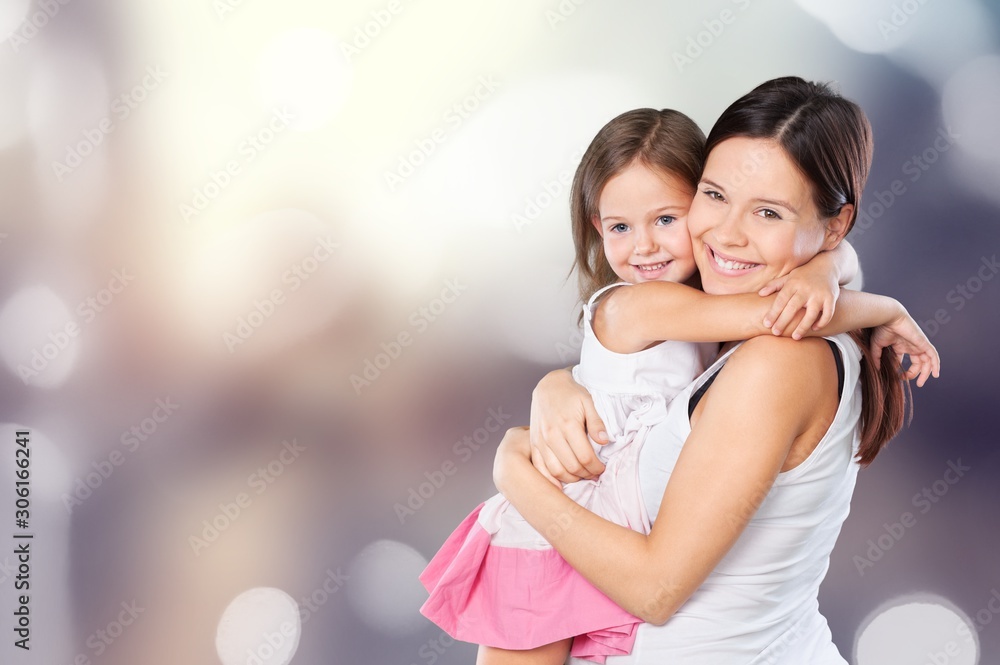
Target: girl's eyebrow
x,y
666,208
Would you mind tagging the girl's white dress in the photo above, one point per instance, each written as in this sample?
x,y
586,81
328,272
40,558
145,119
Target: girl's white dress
x,y
496,581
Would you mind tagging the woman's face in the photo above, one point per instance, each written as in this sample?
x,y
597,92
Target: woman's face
x,y
753,217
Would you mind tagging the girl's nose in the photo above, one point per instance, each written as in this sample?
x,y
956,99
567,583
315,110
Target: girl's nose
x,y
644,243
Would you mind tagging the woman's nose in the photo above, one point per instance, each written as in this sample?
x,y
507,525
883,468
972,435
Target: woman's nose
x,y
730,230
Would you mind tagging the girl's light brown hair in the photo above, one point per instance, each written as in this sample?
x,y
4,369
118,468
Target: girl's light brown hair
x,y
666,141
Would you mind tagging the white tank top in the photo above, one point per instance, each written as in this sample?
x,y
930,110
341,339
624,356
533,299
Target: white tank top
x,y
760,605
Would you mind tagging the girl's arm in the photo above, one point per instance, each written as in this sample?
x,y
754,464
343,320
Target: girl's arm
x,y
771,392
632,318
563,417
813,287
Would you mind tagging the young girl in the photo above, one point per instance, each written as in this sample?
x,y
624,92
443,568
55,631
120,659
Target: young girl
x,y
496,581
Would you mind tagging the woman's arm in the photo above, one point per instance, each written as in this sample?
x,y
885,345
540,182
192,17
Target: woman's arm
x,y
766,397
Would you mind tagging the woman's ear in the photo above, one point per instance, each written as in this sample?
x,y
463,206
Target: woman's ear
x,y
837,227
596,221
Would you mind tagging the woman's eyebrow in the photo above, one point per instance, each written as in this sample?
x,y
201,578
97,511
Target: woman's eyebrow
x,y
706,181
780,203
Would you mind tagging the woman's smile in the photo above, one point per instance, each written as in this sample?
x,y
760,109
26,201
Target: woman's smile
x,y
730,266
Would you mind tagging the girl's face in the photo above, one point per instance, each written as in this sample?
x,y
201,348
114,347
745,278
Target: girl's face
x,y
753,217
642,221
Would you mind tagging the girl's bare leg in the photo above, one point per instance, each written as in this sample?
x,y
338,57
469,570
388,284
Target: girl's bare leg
x,y
550,654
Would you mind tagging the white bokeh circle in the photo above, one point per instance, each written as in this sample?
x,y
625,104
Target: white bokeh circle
x,y
385,591
261,623
917,630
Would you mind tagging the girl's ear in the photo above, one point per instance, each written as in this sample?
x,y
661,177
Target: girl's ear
x,y
836,227
596,221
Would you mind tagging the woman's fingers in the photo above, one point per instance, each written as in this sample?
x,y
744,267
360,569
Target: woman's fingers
x,y
595,426
536,461
570,455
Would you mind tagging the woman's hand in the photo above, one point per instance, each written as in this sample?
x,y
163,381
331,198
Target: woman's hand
x,y
813,287
562,413
904,336
514,449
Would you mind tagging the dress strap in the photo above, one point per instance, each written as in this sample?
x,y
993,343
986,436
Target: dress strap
x,y
588,309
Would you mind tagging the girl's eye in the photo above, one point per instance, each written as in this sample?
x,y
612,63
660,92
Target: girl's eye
x,y
714,195
665,220
767,213
620,228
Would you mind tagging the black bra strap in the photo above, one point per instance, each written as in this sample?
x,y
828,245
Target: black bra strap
x,y
840,369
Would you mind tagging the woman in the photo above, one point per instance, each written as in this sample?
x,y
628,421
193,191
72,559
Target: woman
x,y
761,451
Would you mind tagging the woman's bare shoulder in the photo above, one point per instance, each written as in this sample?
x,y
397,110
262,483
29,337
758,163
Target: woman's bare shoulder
x,y
805,365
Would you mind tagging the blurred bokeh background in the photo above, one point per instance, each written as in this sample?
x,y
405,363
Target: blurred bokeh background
x,y
275,277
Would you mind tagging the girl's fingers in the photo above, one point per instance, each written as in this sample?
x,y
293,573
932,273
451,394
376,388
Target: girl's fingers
x,y
807,321
788,314
827,315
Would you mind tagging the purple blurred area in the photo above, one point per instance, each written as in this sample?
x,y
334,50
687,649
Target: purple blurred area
x,y
275,278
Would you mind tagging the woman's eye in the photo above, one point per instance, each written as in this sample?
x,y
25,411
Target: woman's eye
x,y
665,219
767,213
714,195
620,228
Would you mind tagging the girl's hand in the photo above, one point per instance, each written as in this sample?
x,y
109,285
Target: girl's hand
x,y
562,413
905,337
812,287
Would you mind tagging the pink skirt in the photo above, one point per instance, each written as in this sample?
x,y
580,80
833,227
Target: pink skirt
x,y
519,598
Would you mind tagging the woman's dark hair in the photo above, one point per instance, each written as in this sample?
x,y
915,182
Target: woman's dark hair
x,y
829,139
